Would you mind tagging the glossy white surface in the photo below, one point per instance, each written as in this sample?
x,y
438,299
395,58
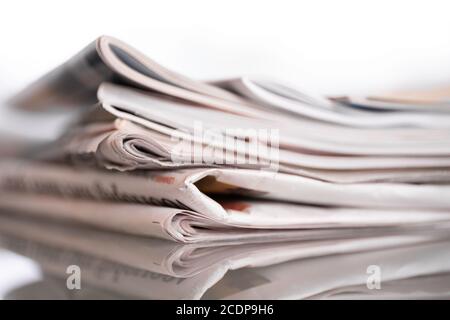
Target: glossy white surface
x,y
16,271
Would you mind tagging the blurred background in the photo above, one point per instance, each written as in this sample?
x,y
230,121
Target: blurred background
x,y
331,47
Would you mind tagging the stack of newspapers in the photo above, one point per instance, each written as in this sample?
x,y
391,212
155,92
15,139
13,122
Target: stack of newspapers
x,y
244,160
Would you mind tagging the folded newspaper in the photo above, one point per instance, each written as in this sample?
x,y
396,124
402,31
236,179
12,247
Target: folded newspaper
x,y
246,159
200,204
131,130
179,260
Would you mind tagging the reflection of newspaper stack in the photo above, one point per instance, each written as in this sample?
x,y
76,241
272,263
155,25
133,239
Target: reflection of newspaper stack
x,y
435,286
155,153
136,267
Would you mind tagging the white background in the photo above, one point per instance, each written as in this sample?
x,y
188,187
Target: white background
x,y
331,47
